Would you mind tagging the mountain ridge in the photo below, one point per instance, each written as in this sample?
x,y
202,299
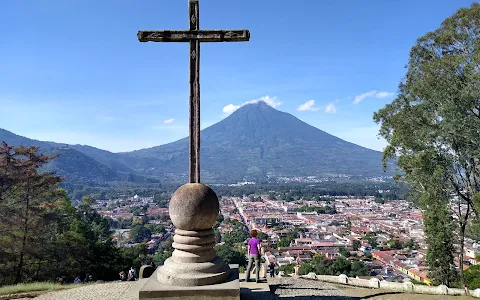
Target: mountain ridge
x,y
254,142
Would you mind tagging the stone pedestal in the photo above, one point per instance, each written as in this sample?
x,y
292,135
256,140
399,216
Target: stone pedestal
x,y
194,262
227,290
194,271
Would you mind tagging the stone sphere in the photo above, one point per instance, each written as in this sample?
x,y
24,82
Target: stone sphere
x,y
194,206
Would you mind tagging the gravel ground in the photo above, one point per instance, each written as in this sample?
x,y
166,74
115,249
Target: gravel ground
x,y
100,291
281,288
376,294
299,288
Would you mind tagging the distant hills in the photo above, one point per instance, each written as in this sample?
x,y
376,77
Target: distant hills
x,y
252,143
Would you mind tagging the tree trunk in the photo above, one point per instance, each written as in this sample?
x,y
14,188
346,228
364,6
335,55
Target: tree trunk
x,y
18,275
462,249
463,226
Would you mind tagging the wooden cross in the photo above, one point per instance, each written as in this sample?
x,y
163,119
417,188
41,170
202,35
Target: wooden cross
x,y
194,36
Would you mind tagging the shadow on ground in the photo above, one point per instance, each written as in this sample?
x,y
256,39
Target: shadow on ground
x,y
276,293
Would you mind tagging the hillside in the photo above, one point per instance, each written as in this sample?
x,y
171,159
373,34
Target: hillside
x,y
74,165
78,167
256,140
253,142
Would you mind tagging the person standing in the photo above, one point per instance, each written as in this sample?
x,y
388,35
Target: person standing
x,y
253,255
271,268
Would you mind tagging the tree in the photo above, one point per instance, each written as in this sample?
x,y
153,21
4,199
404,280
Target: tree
x,y
305,269
472,277
288,268
220,218
42,236
371,237
140,233
27,200
231,256
439,227
218,235
395,244
238,235
344,252
359,269
262,236
411,244
155,228
356,244
317,258
435,119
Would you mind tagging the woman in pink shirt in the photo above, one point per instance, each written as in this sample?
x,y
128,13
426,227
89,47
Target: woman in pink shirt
x,y
253,255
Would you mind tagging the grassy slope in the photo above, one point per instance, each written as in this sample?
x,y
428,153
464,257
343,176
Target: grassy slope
x,y
34,287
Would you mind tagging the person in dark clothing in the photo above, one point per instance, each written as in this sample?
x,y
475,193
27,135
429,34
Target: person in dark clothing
x,y
271,268
123,276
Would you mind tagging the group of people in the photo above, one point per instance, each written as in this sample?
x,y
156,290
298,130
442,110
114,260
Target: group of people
x,y
130,276
78,279
254,250
88,278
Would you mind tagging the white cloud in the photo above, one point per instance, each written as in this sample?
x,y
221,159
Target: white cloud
x,y
272,101
330,108
230,108
308,106
384,94
169,121
373,93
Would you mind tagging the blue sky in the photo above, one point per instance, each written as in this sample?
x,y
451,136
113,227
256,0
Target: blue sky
x,y
74,71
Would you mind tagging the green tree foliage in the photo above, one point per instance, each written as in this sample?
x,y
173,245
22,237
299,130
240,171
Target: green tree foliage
x,y
163,252
371,237
472,277
237,235
140,233
218,235
284,242
395,244
155,228
262,236
42,236
344,252
340,266
439,228
288,268
432,125
356,244
135,256
220,218
231,256
305,269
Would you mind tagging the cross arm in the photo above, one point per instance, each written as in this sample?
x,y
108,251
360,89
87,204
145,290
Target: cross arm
x,y
190,35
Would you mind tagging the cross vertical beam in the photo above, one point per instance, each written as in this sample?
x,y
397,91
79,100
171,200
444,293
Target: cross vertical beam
x,y
193,8
194,36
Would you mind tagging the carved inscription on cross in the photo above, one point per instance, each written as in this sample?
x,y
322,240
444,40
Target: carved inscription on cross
x,y
194,36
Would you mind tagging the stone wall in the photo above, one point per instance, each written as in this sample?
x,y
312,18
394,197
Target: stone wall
x,y
393,286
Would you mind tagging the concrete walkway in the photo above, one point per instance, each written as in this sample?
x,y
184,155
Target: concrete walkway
x,y
253,290
284,288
